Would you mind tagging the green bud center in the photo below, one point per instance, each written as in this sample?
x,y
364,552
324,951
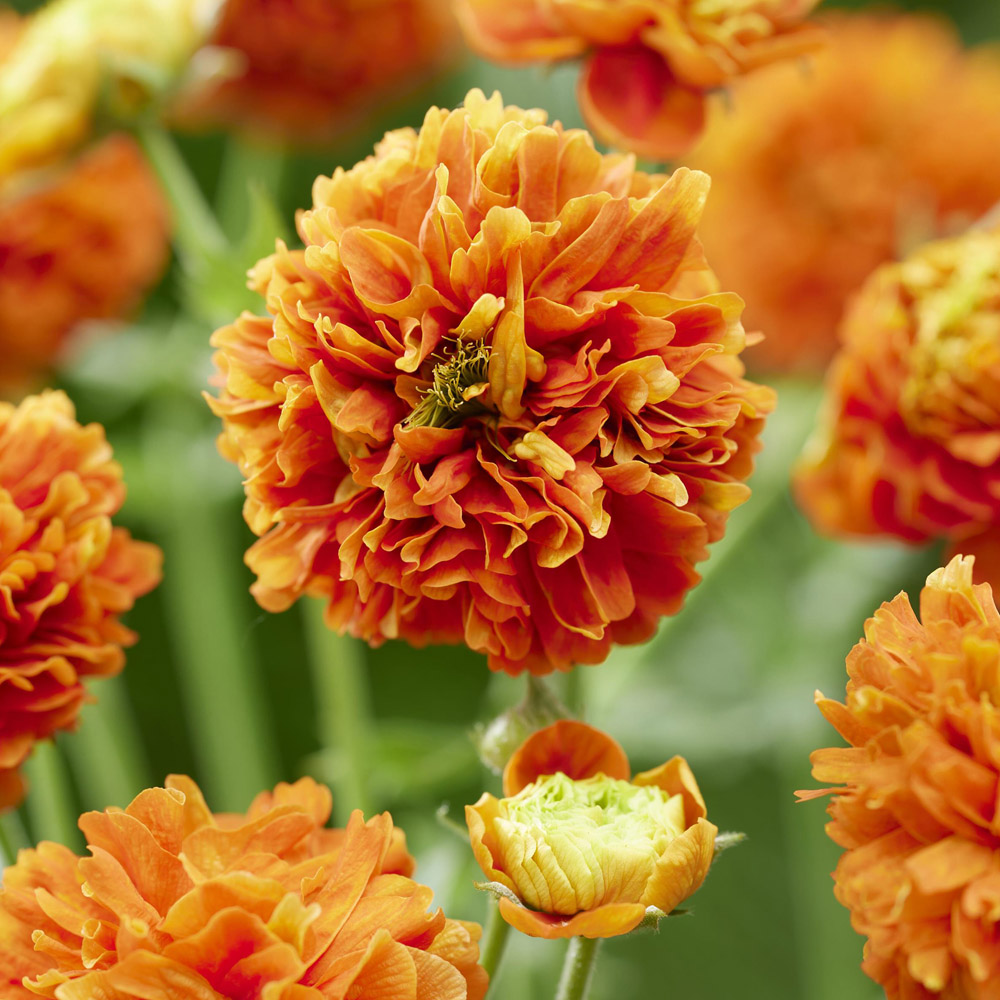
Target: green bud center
x,y
572,845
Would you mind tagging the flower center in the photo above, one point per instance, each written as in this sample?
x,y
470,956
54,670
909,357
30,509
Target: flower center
x,y
573,845
458,384
955,360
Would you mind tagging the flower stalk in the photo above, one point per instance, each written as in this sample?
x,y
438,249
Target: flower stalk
x,y
578,969
197,233
494,941
338,668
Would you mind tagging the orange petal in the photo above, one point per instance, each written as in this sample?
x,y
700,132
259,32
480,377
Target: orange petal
x,y
609,920
630,99
682,867
576,749
676,778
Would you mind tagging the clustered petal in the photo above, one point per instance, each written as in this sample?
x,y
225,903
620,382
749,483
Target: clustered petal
x,y
649,64
580,848
915,805
909,444
175,901
83,242
65,573
497,398
824,168
283,78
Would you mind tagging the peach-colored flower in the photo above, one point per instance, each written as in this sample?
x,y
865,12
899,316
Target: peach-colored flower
x,y
915,802
649,63
65,573
306,67
176,902
909,443
496,398
81,242
825,168
583,849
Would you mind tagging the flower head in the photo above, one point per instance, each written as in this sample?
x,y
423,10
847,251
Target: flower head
x,y
174,901
909,445
649,65
915,802
82,242
65,573
284,78
582,849
884,138
73,53
494,400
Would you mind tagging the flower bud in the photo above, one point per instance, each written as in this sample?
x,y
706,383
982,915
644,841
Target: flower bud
x,y
576,848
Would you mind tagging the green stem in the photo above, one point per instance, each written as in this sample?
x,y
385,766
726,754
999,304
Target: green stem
x,y
49,800
494,941
196,232
246,165
343,710
578,969
218,674
13,837
106,753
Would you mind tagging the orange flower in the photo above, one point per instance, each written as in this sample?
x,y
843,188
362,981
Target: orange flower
x,y
65,573
308,67
886,137
494,401
176,902
581,849
81,243
910,443
649,63
915,805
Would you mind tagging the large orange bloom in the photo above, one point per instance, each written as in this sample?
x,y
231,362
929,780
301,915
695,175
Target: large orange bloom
x,y
909,444
176,902
492,402
582,848
823,171
305,67
916,802
65,573
83,242
649,63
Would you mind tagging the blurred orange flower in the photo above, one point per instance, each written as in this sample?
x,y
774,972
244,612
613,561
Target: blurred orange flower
x,y
581,848
824,170
909,443
176,902
81,242
915,805
65,573
649,63
497,399
306,67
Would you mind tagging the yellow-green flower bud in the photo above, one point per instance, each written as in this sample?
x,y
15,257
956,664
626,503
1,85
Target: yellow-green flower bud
x,y
74,51
578,849
573,845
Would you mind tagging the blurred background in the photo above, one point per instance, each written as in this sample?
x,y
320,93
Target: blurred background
x,y
219,690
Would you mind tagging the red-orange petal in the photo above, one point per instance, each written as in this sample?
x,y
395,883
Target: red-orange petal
x,y
609,920
578,750
630,99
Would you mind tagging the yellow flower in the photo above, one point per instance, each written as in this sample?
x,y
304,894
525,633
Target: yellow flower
x,y
71,51
577,848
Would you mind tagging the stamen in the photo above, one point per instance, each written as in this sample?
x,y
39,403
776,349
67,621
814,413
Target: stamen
x,y
460,381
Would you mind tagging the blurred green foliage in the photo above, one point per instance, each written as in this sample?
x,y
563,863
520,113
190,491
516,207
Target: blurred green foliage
x,y
728,682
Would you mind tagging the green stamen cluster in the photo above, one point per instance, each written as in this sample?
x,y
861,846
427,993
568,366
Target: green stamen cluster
x,y
458,383
573,845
